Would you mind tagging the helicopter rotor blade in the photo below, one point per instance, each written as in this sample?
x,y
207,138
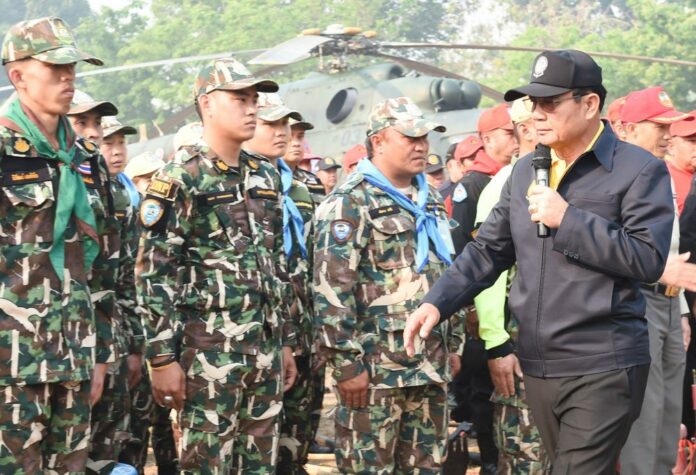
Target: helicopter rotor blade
x,y
439,72
291,51
154,64
599,54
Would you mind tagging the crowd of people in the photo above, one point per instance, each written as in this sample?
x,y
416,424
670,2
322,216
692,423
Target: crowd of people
x,y
215,287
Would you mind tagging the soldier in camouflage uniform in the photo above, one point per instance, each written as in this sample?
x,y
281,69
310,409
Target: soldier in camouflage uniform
x,y
379,245
270,142
293,157
48,243
214,282
111,201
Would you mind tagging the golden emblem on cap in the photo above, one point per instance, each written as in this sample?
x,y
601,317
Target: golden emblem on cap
x,y
433,160
664,99
330,161
21,146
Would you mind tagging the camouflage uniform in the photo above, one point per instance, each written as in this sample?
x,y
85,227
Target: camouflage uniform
x,y
366,284
48,329
214,280
520,450
111,415
296,428
318,373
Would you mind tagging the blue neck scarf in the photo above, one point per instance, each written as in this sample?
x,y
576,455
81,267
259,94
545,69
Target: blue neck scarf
x,y
426,222
130,188
292,219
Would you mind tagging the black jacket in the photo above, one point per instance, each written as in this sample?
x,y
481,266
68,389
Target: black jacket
x,y
576,294
464,212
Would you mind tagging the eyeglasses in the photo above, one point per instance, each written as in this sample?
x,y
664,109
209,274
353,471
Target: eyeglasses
x,y
549,105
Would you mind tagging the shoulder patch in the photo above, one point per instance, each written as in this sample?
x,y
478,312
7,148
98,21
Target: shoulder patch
x,y
25,177
459,194
151,212
341,230
263,193
434,207
317,188
304,205
384,211
162,188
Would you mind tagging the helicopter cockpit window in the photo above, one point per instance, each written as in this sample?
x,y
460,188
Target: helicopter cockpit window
x,y
341,105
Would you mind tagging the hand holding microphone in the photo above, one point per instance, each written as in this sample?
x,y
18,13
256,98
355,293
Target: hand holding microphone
x,y
546,206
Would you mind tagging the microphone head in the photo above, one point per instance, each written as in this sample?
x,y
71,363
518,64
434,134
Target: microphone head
x,y
542,157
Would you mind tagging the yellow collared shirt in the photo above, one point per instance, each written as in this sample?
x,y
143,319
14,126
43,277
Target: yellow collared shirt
x,y
560,167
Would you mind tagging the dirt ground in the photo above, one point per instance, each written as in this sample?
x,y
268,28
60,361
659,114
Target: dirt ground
x,y
319,464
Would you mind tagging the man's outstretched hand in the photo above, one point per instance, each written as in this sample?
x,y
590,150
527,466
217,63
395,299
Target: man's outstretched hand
x,y
420,322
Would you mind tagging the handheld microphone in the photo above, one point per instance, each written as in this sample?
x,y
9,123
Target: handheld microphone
x,y
542,164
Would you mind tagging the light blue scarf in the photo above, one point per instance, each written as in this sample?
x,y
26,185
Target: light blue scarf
x,y
292,219
426,222
130,188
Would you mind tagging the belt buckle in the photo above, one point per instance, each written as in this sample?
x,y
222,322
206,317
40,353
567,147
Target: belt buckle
x,y
672,290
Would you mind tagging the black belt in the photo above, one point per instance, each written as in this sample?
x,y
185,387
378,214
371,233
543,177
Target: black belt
x,y
666,290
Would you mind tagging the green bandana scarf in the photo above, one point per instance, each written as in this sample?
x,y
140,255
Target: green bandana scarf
x,y
72,193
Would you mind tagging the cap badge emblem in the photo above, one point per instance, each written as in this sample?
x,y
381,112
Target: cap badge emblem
x,y
540,66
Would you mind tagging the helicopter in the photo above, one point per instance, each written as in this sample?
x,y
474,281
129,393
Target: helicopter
x,y
337,99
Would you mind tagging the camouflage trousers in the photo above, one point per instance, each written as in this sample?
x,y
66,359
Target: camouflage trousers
x,y
44,428
110,420
520,449
231,416
318,386
145,414
402,431
297,428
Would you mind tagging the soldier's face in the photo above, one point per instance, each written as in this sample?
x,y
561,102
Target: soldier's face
x,y
88,125
683,152
436,179
651,136
295,152
271,138
328,178
500,144
115,153
45,88
231,113
406,156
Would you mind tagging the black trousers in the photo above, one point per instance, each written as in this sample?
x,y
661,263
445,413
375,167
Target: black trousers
x,y
584,420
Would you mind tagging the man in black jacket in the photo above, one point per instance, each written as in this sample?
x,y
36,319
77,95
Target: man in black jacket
x,y
583,342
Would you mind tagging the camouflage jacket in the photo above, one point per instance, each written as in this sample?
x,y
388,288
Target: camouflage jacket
x,y
46,328
104,275
128,318
366,285
214,274
300,268
313,183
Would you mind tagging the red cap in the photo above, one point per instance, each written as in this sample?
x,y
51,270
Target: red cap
x,y
496,117
685,127
354,155
308,155
651,104
614,109
467,147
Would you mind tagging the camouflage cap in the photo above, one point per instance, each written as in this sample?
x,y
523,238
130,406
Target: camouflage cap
x,y
46,39
402,114
228,74
301,124
271,108
112,125
145,163
189,135
83,102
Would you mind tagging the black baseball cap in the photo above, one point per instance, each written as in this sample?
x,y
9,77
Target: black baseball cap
x,y
556,72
